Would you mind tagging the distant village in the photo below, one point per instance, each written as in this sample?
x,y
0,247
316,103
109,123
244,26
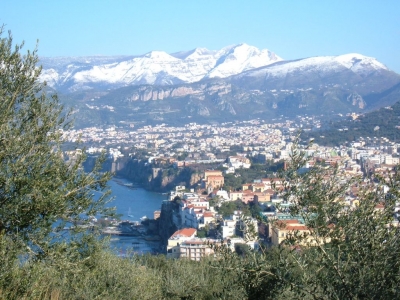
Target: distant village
x,y
251,140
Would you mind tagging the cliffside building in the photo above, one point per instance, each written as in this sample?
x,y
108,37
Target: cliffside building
x,y
213,179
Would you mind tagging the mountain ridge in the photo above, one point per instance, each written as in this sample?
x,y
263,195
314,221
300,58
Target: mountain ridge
x,y
154,67
235,82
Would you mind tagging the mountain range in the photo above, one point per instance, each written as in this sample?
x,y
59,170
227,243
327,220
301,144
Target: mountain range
x,y
155,67
236,82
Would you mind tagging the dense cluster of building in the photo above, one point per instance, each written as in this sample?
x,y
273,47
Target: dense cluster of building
x,y
195,212
200,142
250,140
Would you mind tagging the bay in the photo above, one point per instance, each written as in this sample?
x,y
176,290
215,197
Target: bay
x,y
138,203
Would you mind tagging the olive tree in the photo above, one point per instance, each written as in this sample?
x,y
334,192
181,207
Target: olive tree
x,y
38,189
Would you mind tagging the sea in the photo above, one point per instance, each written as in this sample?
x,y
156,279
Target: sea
x,y
133,203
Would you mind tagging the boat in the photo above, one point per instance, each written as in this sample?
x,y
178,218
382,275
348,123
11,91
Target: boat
x,y
130,213
143,218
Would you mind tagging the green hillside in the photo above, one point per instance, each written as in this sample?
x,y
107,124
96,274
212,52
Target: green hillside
x,y
384,122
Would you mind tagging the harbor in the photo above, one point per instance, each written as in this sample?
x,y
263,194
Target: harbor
x,y
135,230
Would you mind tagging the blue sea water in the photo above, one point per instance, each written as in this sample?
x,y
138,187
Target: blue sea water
x,y
139,203
136,200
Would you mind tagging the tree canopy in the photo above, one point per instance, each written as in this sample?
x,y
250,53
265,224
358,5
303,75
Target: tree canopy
x,y
38,189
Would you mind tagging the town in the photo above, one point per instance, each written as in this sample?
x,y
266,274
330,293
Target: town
x,y
199,150
197,212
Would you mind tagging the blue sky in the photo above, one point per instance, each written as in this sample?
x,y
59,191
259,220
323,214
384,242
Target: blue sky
x,y
291,29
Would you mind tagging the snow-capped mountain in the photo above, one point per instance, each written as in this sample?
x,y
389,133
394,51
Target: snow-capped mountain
x,y
236,82
155,67
365,73
354,62
234,60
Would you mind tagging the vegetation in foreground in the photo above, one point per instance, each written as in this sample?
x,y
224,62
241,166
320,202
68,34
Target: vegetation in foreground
x,y
104,275
347,254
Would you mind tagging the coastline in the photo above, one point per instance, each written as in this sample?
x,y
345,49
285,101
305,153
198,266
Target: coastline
x,y
129,233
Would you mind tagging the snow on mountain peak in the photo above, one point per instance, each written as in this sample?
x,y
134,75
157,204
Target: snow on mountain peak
x,y
157,67
159,55
357,62
200,53
238,58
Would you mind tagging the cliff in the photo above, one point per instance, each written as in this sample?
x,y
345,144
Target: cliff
x,y
158,178
167,221
90,162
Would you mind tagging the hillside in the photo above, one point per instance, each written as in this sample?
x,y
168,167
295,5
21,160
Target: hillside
x,y
384,122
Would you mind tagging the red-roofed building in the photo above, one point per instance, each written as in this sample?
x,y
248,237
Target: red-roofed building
x,y
247,186
211,173
379,207
180,236
185,232
258,187
207,218
284,228
184,244
260,198
248,196
214,181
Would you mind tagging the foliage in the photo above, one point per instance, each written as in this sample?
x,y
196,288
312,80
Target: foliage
x,y
106,276
232,182
255,172
255,209
242,249
213,202
39,192
202,233
182,156
348,253
227,208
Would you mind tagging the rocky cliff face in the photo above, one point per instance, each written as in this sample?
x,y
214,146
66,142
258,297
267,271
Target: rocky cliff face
x,y
148,92
157,178
356,100
150,177
90,162
166,222
195,178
